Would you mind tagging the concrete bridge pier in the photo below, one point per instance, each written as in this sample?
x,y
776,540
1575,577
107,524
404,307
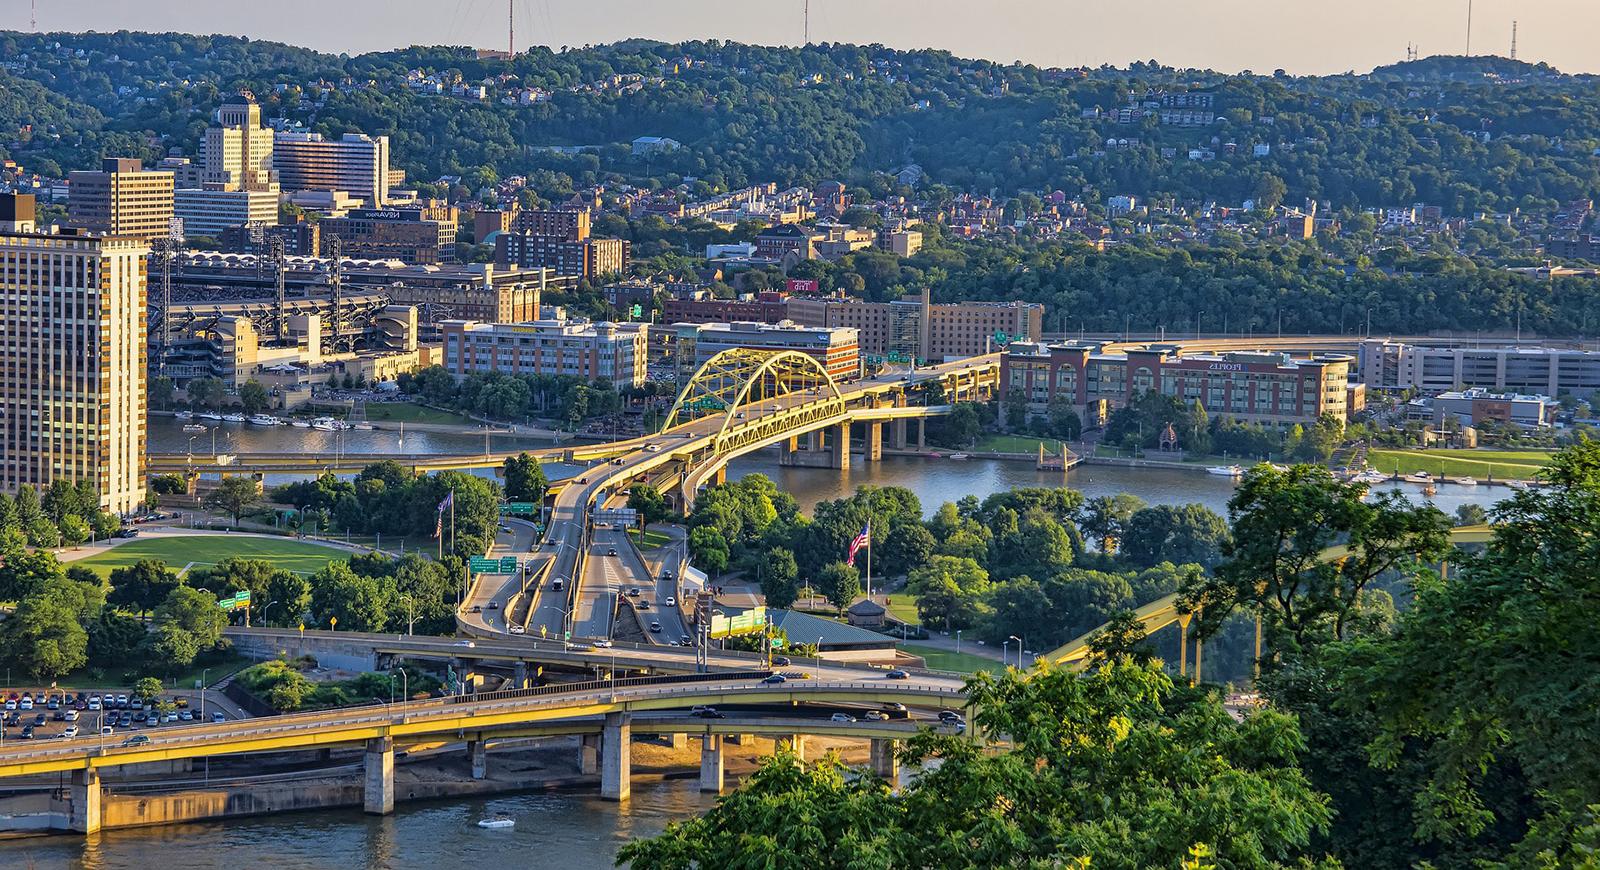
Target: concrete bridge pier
x,y
519,675
712,771
874,443
922,432
616,757
83,814
897,434
679,740
885,765
478,752
378,784
589,754
795,743
839,446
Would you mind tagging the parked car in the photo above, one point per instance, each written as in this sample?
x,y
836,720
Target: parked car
x,y
218,717
70,732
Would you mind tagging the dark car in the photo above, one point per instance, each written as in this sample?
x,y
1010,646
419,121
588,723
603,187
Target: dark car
x,y
775,679
781,661
897,674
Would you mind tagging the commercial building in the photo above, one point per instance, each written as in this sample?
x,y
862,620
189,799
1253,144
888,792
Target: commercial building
x,y
1476,406
302,238
915,328
838,350
571,224
209,211
1540,371
768,306
122,199
785,243
72,358
238,151
355,162
416,235
613,352
589,258
1259,387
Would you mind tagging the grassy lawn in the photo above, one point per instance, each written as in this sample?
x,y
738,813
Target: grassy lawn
x,y
406,412
206,550
110,678
944,660
993,443
903,606
650,540
1502,464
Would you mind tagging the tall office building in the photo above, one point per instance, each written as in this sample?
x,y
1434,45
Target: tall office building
x,y
72,358
122,199
238,150
355,163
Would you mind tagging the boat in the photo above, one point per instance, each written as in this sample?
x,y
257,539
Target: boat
x,y
1419,477
499,822
193,427
959,456
265,420
1466,481
210,415
1520,484
1225,470
299,423
184,415
362,426
1370,476
326,424
1430,490
233,418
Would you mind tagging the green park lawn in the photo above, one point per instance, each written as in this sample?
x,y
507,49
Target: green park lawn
x,y
903,607
1481,464
944,660
207,550
406,412
650,540
993,443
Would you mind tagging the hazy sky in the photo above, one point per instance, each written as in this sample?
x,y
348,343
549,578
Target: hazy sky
x,y
1305,36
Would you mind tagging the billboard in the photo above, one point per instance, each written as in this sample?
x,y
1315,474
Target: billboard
x,y
803,286
752,621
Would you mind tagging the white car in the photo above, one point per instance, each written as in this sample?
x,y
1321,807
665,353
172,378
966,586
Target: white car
x,y
842,717
672,602
517,629
70,732
603,644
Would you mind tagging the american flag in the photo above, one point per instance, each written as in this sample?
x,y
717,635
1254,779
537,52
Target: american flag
x,y
862,540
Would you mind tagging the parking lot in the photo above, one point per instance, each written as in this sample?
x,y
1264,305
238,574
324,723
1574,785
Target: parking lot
x,y
55,713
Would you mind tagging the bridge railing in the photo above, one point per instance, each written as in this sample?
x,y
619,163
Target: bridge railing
x,y
624,683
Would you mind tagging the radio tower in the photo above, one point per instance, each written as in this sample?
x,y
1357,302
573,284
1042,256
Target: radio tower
x,y
33,17
808,23
511,28
1469,28
1513,39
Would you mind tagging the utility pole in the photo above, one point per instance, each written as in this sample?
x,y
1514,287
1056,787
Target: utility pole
x,y
33,17
280,265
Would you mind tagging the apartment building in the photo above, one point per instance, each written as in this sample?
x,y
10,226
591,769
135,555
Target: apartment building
x,y
838,350
355,163
588,258
72,358
1259,387
768,306
121,199
421,235
614,352
1543,371
913,327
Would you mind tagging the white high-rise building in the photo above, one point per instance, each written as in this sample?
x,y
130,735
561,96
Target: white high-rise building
x,y
355,163
72,358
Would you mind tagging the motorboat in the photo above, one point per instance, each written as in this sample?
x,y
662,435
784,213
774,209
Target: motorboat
x,y
210,415
959,456
1371,476
300,423
1419,477
1225,470
1520,484
1430,490
265,420
327,424
233,418
362,426
1466,481
192,428
497,822
184,415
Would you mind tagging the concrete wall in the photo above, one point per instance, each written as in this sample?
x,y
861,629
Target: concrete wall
x,y
328,652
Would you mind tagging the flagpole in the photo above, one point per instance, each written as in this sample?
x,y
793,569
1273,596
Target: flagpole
x,y
869,560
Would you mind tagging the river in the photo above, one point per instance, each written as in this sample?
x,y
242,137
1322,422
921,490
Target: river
x,y
568,830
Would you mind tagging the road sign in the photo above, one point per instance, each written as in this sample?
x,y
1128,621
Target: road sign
x,y
480,565
238,601
519,508
508,564
752,621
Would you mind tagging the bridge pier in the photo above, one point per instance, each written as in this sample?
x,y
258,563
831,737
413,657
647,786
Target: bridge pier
x,y
83,814
478,752
589,754
795,743
839,446
616,757
712,771
922,432
874,443
897,434
378,786
885,765
519,675
679,740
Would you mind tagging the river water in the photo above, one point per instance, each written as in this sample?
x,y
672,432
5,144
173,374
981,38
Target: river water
x,y
568,830
563,830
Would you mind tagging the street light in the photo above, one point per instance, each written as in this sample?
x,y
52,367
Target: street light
x,y
405,690
1005,652
203,694
958,640
1019,650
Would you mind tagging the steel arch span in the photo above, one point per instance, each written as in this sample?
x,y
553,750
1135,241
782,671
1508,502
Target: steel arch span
x,y
740,376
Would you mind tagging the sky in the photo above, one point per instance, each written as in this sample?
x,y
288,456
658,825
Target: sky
x,y
1301,36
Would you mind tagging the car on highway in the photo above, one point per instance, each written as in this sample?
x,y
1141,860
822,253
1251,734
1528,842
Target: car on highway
x,y
774,679
558,584
603,643
876,716
611,551
841,717
655,628
476,608
505,528
781,661
685,641
897,674
671,601
633,592
653,448
494,605
706,712
517,629
136,740
466,643
643,604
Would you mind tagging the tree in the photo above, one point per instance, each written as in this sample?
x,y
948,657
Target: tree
x,y
1064,420
207,392
147,688
74,531
44,534
359,603
840,583
1115,769
708,549
234,496
288,596
1105,517
253,396
1177,534
650,504
525,479
780,578
1471,515
907,546
44,636
949,591
1278,565
186,624
143,585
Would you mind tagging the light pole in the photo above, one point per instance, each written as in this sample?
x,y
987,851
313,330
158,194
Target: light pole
x,y
411,619
958,641
1019,650
405,691
203,694
1005,652
100,726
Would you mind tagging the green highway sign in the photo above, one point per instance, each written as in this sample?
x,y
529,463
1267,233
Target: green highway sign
x,y
519,508
751,621
508,564
480,565
237,601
